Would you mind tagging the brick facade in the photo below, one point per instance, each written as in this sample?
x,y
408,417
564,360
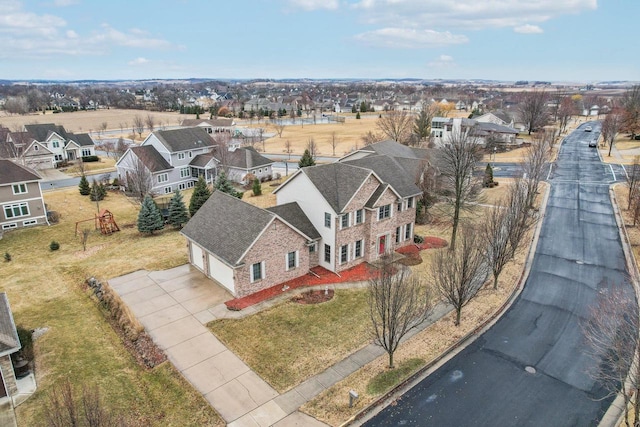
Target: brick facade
x,y
8,375
272,248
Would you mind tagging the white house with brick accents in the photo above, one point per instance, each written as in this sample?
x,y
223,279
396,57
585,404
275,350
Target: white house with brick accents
x,y
334,215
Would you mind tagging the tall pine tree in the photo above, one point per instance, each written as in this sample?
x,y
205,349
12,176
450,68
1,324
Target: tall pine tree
x,y
150,217
178,215
200,195
306,159
84,187
223,184
257,187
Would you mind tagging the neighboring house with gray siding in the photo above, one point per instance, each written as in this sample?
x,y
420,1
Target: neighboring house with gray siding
x,y
20,197
9,344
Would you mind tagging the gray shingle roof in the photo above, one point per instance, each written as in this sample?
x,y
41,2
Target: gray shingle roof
x,y
82,139
393,149
293,214
219,122
492,127
227,226
9,341
12,172
41,132
184,139
376,195
246,158
150,157
337,182
391,172
201,160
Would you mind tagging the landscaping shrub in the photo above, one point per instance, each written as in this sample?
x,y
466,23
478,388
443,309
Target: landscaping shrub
x,y
54,246
7,256
418,239
26,340
89,159
53,217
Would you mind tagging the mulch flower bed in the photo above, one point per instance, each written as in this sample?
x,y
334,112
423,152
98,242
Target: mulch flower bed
x,y
314,296
322,276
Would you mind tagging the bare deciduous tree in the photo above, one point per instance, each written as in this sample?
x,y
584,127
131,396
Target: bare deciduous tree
x,y
222,153
138,125
428,181
532,109
139,180
279,127
459,273
312,146
371,137
633,178
566,109
536,157
396,125
630,104
103,127
610,128
398,303
334,142
150,121
120,147
611,334
84,237
457,161
422,122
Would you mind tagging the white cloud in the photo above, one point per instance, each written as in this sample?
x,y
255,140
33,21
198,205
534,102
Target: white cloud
x,y
443,61
139,61
64,3
528,29
405,38
25,34
315,4
466,14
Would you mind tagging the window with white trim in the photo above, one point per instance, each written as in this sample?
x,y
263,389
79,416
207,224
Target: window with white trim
x,y
398,233
312,248
8,226
359,216
344,221
327,219
292,260
56,144
190,184
181,156
167,190
344,254
19,188
16,210
86,152
58,157
327,253
384,212
185,173
407,231
357,249
190,154
29,222
409,202
163,177
36,148
257,271
399,207
182,186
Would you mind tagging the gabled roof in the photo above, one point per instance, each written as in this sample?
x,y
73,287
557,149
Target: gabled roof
x,y
246,158
293,214
11,172
201,160
219,122
227,227
376,195
393,149
82,139
492,127
184,139
337,182
41,132
390,171
9,341
151,158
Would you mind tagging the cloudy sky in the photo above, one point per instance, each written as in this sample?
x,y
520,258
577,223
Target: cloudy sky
x,y
557,40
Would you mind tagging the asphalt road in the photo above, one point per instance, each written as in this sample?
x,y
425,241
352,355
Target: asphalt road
x,y
486,384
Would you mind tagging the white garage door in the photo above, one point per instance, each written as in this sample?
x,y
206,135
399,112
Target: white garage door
x,y
221,273
197,258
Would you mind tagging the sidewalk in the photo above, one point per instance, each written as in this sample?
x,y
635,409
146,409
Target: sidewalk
x,y
175,305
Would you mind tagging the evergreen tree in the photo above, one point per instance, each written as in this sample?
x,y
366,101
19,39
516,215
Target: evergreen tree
x,y
257,187
84,187
306,160
177,210
200,195
97,192
488,176
363,107
223,184
358,115
150,217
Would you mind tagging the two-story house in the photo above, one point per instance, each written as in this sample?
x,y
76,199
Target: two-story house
x,y
20,197
63,145
175,159
443,128
334,215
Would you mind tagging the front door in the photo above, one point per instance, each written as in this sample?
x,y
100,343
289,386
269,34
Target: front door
x,y
382,245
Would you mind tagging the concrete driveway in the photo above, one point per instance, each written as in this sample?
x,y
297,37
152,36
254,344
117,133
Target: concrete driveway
x,y
174,306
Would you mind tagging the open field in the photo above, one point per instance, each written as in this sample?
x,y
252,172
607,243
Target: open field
x,y
45,289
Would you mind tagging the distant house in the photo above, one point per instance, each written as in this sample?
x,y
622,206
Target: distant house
x,y
211,125
9,344
44,146
444,128
20,197
175,159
